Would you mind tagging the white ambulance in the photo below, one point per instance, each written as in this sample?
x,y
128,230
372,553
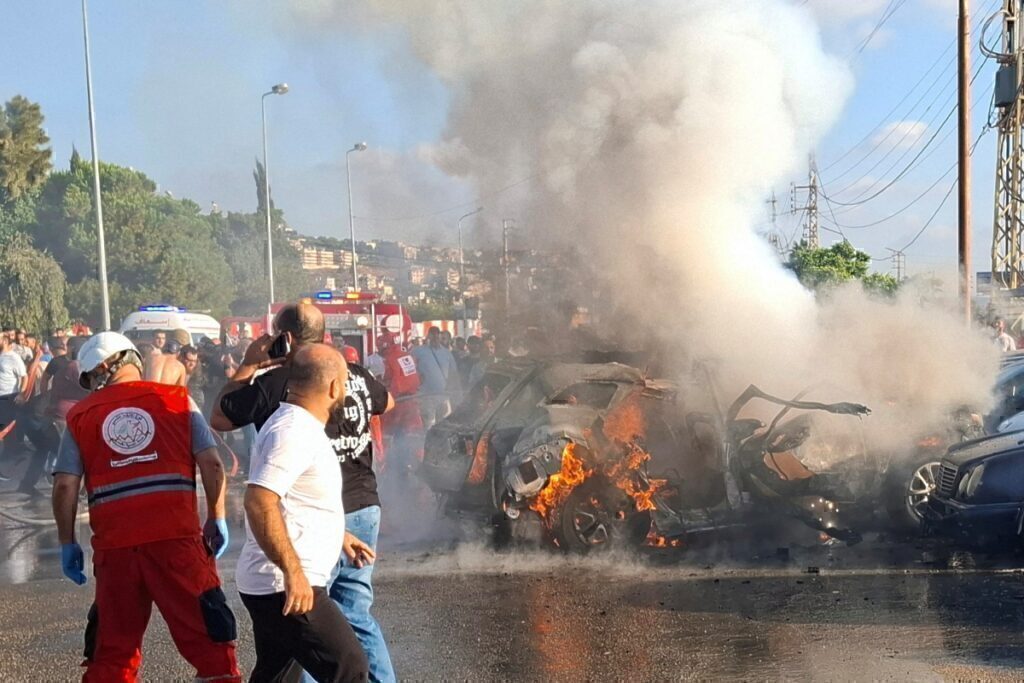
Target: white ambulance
x,y
140,325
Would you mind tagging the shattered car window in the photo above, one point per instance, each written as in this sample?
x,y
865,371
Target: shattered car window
x,y
593,394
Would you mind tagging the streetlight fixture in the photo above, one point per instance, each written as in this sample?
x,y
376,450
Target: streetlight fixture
x,y
104,291
462,270
358,147
279,89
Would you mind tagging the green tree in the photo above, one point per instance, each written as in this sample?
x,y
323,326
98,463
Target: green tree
x,y
882,284
822,268
242,237
421,312
24,151
31,287
259,176
159,249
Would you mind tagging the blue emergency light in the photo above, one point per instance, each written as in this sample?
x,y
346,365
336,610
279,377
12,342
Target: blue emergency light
x,y
325,295
161,308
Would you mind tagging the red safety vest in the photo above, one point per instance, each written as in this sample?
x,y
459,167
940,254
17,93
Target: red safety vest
x,y
135,440
400,374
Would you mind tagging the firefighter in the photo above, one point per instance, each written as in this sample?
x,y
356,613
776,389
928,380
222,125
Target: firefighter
x,y
404,423
137,444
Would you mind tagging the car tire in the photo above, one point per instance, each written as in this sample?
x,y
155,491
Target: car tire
x,y
908,488
597,516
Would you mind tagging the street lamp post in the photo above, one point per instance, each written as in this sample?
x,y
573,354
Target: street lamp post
x,y
358,147
462,270
279,89
104,291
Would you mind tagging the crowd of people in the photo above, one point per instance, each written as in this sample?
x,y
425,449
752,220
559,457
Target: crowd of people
x,y
132,421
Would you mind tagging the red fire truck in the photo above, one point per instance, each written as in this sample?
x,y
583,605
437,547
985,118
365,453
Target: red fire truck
x,y
357,318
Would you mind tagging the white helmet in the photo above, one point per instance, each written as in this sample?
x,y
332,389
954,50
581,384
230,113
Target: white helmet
x,y
98,349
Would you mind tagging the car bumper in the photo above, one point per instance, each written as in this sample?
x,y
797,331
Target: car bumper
x,y
949,517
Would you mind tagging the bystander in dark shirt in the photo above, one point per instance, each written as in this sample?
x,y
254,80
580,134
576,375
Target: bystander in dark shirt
x,y
348,428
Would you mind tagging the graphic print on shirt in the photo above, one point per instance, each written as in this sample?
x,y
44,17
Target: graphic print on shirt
x,y
128,431
356,414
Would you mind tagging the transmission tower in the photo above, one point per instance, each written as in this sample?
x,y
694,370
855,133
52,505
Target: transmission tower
x,y
899,264
1008,228
810,207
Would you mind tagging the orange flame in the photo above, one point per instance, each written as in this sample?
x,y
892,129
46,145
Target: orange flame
x,y
625,426
655,541
626,422
572,473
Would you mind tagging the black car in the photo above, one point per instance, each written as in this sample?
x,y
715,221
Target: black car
x,y
979,495
1009,393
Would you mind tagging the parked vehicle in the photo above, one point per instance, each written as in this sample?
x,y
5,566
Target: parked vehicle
x,y
140,325
980,493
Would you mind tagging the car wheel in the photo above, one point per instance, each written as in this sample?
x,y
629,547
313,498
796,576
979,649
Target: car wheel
x,y
597,516
912,490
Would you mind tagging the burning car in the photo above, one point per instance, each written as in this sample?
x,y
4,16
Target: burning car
x,y
598,452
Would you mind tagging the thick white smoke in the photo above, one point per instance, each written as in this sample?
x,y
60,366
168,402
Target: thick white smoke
x,y
650,132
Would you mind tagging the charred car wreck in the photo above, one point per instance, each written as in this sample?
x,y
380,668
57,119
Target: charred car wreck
x,y
598,452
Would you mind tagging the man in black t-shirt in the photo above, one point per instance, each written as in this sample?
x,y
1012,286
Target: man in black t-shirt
x,y
251,399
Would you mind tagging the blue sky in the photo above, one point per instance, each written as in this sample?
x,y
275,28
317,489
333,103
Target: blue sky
x,y
178,86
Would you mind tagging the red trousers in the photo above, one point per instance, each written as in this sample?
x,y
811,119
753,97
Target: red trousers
x,y
178,575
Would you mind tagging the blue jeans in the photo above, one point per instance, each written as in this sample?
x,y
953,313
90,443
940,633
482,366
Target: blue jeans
x,y
352,590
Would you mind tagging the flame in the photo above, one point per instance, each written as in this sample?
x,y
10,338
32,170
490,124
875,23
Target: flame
x,y
572,473
655,541
625,428
626,422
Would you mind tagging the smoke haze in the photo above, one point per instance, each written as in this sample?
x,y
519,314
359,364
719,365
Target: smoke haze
x,y
649,134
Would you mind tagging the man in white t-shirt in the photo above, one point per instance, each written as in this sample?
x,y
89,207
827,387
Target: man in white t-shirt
x,y
1003,340
12,370
295,525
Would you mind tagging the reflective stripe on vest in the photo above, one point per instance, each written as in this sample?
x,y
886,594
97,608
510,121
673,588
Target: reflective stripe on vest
x,y
140,486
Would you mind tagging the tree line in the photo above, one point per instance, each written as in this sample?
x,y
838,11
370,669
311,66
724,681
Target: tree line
x,y
160,249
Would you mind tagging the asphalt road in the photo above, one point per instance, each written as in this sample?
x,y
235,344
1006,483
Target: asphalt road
x,y
739,609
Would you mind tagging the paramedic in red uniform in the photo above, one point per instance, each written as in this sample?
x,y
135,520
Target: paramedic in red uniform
x,y
137,444
404,422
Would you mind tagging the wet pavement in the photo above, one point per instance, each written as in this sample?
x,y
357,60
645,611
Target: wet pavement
x,y
771,608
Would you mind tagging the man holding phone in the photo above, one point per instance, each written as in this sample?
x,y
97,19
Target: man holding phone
x,y
251,398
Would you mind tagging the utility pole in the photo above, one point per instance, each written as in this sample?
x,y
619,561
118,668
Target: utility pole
x,y
964,149
1008,227
100,238
506,226
774,238
810,208
899,264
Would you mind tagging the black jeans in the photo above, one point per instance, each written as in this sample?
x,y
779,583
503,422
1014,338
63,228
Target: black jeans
x,y
321,641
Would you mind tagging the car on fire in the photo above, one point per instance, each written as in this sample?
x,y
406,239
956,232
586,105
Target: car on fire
x,y
979,496
598,452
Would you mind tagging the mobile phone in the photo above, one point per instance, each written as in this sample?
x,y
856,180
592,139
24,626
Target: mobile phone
x,y
280,348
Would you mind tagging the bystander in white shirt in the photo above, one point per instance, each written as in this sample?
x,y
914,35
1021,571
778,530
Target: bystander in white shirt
x,y
294,458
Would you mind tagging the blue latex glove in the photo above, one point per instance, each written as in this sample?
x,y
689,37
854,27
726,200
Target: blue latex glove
x,y
72,561
215,534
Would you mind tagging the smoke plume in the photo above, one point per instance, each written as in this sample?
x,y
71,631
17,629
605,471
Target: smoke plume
x,y
649,133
